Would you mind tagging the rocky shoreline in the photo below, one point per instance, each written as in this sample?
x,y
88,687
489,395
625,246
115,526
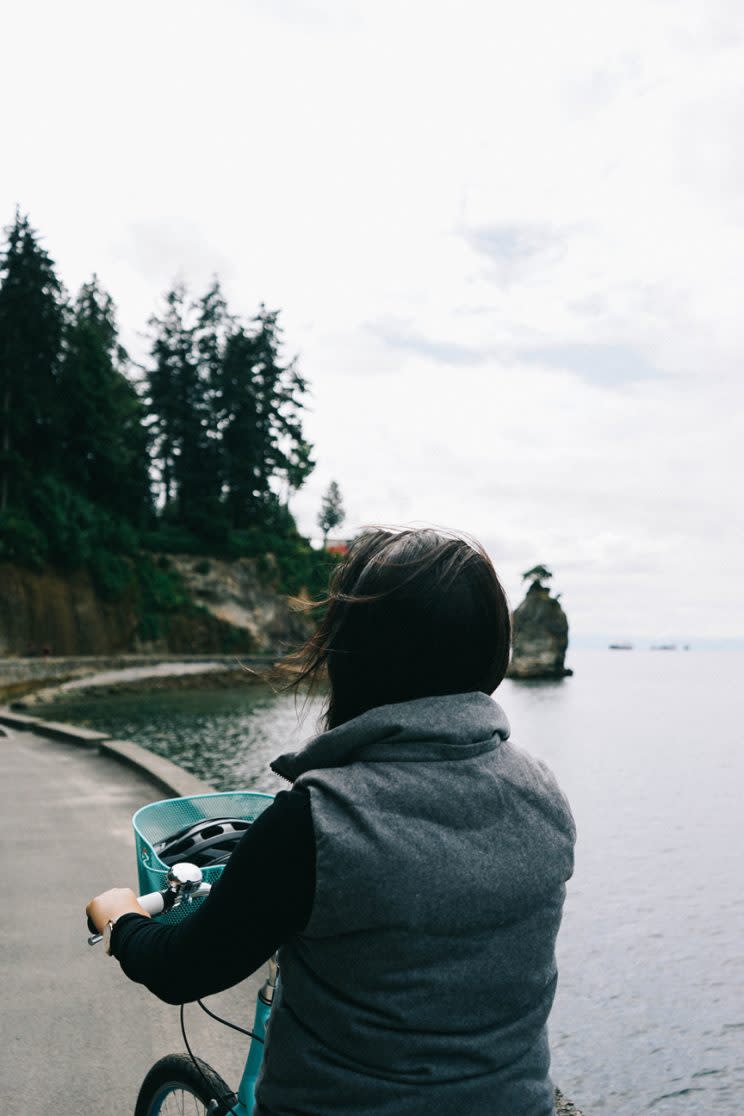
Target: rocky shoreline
x,y
564,1107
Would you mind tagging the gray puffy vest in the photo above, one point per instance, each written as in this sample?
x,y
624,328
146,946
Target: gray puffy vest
x,y
423,980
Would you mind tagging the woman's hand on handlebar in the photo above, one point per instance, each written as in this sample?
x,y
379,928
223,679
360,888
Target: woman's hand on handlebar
x,y
111,904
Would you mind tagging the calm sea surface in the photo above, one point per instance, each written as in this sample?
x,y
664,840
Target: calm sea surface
x,y
649,747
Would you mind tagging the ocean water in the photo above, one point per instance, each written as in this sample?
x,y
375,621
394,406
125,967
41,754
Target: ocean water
x,y
649,747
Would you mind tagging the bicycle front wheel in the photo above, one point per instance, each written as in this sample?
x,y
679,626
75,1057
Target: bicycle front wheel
x,y
175,1086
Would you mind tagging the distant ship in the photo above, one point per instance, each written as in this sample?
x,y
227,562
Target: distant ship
x,y
621,647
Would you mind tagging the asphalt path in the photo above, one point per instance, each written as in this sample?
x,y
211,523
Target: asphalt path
x,y
75,1035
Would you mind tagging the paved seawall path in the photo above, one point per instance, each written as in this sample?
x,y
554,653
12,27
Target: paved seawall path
x,y
76,1036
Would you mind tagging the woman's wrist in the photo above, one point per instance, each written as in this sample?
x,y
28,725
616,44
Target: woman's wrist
x,y
111,905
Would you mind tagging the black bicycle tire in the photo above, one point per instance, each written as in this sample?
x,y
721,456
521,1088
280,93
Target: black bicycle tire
x,y
179,1071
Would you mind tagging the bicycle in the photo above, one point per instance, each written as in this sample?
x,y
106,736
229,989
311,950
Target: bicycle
x,y
180,1079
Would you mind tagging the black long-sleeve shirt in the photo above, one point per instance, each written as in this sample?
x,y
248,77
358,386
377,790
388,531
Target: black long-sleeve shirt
x,y
264,896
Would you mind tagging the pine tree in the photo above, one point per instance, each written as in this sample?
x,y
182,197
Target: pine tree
x,y
32,315
238,421
171,349
202,474
332,512
103,435
188,341
261,399
536,576
285,454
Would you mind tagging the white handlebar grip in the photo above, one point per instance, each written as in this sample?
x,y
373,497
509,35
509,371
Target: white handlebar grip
x,y
152,903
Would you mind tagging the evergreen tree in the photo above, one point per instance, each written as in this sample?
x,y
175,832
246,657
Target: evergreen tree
x,y
238,420
264,449
171,349
536,576
32,315
285,455
104,439
187,347
202,474
332,512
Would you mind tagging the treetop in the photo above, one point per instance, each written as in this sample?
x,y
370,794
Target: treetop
x,y
536,574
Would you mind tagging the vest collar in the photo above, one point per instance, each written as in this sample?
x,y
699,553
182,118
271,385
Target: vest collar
x,y
453,726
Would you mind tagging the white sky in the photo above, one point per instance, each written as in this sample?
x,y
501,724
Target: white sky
x,y
507,241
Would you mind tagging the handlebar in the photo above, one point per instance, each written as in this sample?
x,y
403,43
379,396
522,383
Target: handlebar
x,y
185,883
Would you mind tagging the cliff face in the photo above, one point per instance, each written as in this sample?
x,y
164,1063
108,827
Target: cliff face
x,y
65,614
235,594
62,613
540,636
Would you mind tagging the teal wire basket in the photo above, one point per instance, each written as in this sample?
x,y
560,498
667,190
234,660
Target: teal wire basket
x,y
158,820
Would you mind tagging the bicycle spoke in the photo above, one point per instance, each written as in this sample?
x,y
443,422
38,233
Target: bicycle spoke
x,y
181,1103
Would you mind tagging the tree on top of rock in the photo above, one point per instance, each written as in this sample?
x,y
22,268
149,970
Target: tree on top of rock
x,y
536,576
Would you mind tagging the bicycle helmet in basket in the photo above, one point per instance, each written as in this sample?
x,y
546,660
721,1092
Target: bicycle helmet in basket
x,y
204,843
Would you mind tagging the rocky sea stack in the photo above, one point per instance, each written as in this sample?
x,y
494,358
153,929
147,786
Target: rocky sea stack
x,y
540,631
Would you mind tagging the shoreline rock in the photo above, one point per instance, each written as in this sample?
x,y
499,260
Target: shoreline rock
x,y
540,636
564,1107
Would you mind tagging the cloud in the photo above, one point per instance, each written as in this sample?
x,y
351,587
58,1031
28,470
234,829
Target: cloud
x,y
164,247
607,365
402,337
309,14
514,249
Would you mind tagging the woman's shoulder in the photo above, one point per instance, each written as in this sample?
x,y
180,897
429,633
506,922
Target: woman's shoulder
x,y
531,777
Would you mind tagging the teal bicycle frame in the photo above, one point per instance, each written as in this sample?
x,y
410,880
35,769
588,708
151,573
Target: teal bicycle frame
x,y
247,1087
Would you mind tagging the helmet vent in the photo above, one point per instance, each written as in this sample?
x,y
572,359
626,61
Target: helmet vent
x,y
206,842
212,831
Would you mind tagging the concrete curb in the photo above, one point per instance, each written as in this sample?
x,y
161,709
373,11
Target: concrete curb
x,y
165,774
171,778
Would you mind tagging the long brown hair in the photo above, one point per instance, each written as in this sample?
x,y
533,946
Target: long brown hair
x,y
410,613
